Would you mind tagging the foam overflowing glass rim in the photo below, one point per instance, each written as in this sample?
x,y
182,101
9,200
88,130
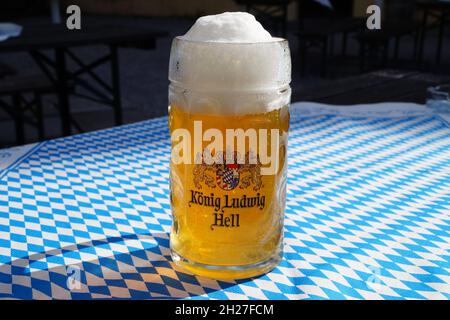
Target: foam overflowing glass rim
x,y
273,40
232,76
266,64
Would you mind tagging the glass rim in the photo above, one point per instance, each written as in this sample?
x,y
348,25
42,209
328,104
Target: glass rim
x,y
443,89
272,41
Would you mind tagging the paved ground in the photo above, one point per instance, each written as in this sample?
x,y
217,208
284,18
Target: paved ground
x,y
144,78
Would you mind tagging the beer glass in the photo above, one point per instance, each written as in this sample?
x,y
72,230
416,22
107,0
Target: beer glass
x,y
228,209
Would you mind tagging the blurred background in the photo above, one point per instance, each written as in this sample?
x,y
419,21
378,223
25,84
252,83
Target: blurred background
x,y
55,82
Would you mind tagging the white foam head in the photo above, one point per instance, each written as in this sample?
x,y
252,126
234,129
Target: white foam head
x,y
229,64
240,27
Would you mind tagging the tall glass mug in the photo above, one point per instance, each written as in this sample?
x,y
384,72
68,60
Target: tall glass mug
x,y
229,120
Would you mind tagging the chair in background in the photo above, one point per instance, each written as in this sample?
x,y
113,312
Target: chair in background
x,y
398,23
439,12
21,98
372,42
318,27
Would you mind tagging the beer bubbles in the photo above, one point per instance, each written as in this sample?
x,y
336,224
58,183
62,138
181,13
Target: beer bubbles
x,y
229,100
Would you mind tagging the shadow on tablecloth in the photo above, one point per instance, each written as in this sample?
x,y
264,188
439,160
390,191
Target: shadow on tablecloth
x,y
141,268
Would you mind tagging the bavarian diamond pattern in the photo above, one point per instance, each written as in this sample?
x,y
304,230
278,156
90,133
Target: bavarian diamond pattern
x,y
367,217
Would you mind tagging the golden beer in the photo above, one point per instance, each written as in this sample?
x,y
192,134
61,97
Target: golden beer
x,y
235,226
229,121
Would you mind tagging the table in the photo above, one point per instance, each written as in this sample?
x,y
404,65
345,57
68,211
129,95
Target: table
x,y
35,39
367,216
373,87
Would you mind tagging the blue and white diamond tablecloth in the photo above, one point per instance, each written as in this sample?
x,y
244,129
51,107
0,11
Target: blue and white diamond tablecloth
x,y
367,217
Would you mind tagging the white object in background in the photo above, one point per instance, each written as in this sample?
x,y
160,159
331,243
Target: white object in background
x,y
8,30
373,110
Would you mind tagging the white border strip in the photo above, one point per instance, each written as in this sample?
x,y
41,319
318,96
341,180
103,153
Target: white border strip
x,y
376,110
